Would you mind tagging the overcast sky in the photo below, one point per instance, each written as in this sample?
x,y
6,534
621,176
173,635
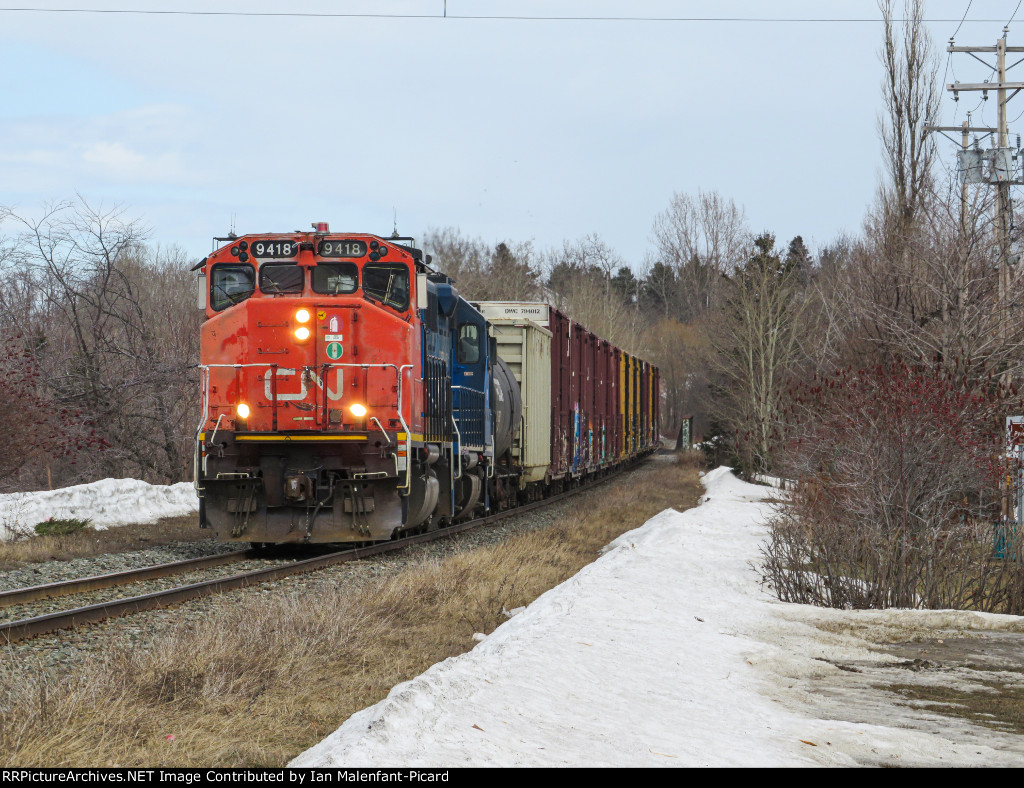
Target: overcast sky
x,y
506,128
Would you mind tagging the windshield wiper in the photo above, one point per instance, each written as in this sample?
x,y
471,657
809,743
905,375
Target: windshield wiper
x,y
231,297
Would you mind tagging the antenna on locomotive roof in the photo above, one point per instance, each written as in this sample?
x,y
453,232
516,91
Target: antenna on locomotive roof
x,y
231,232
394,233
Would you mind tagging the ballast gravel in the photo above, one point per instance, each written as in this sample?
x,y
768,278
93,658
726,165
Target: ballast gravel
x,y
75,568
61,652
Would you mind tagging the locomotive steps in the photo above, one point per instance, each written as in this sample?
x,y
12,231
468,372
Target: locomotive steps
x,y
252,679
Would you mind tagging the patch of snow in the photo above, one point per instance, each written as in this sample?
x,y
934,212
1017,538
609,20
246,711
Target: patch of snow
x,y
667,652
109,502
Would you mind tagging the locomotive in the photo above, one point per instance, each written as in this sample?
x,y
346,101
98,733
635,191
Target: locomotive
x,y
350,394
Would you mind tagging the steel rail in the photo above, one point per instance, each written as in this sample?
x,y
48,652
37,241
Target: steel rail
x,y
24,629
20,596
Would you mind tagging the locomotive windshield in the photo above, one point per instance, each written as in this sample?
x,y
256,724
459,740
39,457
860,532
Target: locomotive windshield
x,y
231,284
276,279
388,284
335,278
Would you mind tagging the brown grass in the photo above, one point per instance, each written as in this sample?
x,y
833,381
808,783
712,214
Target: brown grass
x,y
994,704
33,549
259,681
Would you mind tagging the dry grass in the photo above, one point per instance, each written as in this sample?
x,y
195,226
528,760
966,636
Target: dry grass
x,y
258,682
33,549
994,704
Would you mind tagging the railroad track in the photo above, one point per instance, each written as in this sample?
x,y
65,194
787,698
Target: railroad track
x,y
24,629
21,596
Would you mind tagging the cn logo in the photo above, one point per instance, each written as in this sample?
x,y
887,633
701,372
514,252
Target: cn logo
x,y
293,396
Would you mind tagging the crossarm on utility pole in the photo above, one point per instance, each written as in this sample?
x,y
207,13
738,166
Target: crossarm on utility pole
x,y
993,50
986,86
972,129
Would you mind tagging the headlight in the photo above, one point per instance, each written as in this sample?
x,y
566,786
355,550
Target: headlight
x,y
302,316
357,410
302,333
243,410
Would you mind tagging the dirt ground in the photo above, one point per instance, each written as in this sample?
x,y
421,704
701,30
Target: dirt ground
x,y
987,669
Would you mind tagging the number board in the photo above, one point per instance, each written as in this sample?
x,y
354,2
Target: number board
x,y
343,248
273,248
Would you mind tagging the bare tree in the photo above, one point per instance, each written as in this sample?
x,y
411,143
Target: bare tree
x,y
756,340
897,225
921,285
508,271
114,332
910,90
464,259
699,238
679,350
581,281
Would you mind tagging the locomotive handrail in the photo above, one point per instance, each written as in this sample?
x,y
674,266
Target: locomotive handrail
x,y
399,376
380,426
456,454
205,384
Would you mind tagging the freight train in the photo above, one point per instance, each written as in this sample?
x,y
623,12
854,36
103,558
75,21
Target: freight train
x,y
350,394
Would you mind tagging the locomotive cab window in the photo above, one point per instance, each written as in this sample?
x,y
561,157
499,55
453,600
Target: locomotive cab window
x,y
388,284
230,285
335,278
469,344
276,279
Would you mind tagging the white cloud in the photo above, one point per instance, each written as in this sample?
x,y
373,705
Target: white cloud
x,y
113,155
149,145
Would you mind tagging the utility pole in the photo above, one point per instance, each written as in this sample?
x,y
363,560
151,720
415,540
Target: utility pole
x,y
965,129
1003,217
1001,170
970,172
965,144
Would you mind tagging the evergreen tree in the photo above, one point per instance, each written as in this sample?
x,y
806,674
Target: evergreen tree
x,y
658,291
626,285
798,255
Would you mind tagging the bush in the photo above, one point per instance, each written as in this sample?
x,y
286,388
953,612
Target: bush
x,y
62,527
897,474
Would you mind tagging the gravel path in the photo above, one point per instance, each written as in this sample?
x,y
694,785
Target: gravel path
x,y
64,650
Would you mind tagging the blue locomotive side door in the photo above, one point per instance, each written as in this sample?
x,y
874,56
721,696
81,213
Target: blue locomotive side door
x,y
470,387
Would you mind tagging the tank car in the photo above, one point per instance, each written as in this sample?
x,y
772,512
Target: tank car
x,y
350,394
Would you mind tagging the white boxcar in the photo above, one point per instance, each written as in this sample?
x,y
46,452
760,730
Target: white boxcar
x,y
525,345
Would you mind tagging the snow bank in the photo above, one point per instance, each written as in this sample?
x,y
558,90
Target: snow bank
x,y
110,502
663,652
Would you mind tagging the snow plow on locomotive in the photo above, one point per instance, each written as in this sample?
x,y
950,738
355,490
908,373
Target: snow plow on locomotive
x,y
349,394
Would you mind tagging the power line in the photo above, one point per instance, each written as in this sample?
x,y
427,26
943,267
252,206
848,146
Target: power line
x,y
473,17
962,20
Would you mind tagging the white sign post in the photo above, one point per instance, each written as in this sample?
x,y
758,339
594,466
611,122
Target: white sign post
x,y
1014,436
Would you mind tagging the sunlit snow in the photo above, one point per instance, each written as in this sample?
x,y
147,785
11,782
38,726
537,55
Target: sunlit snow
x,y
109,502
666,651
